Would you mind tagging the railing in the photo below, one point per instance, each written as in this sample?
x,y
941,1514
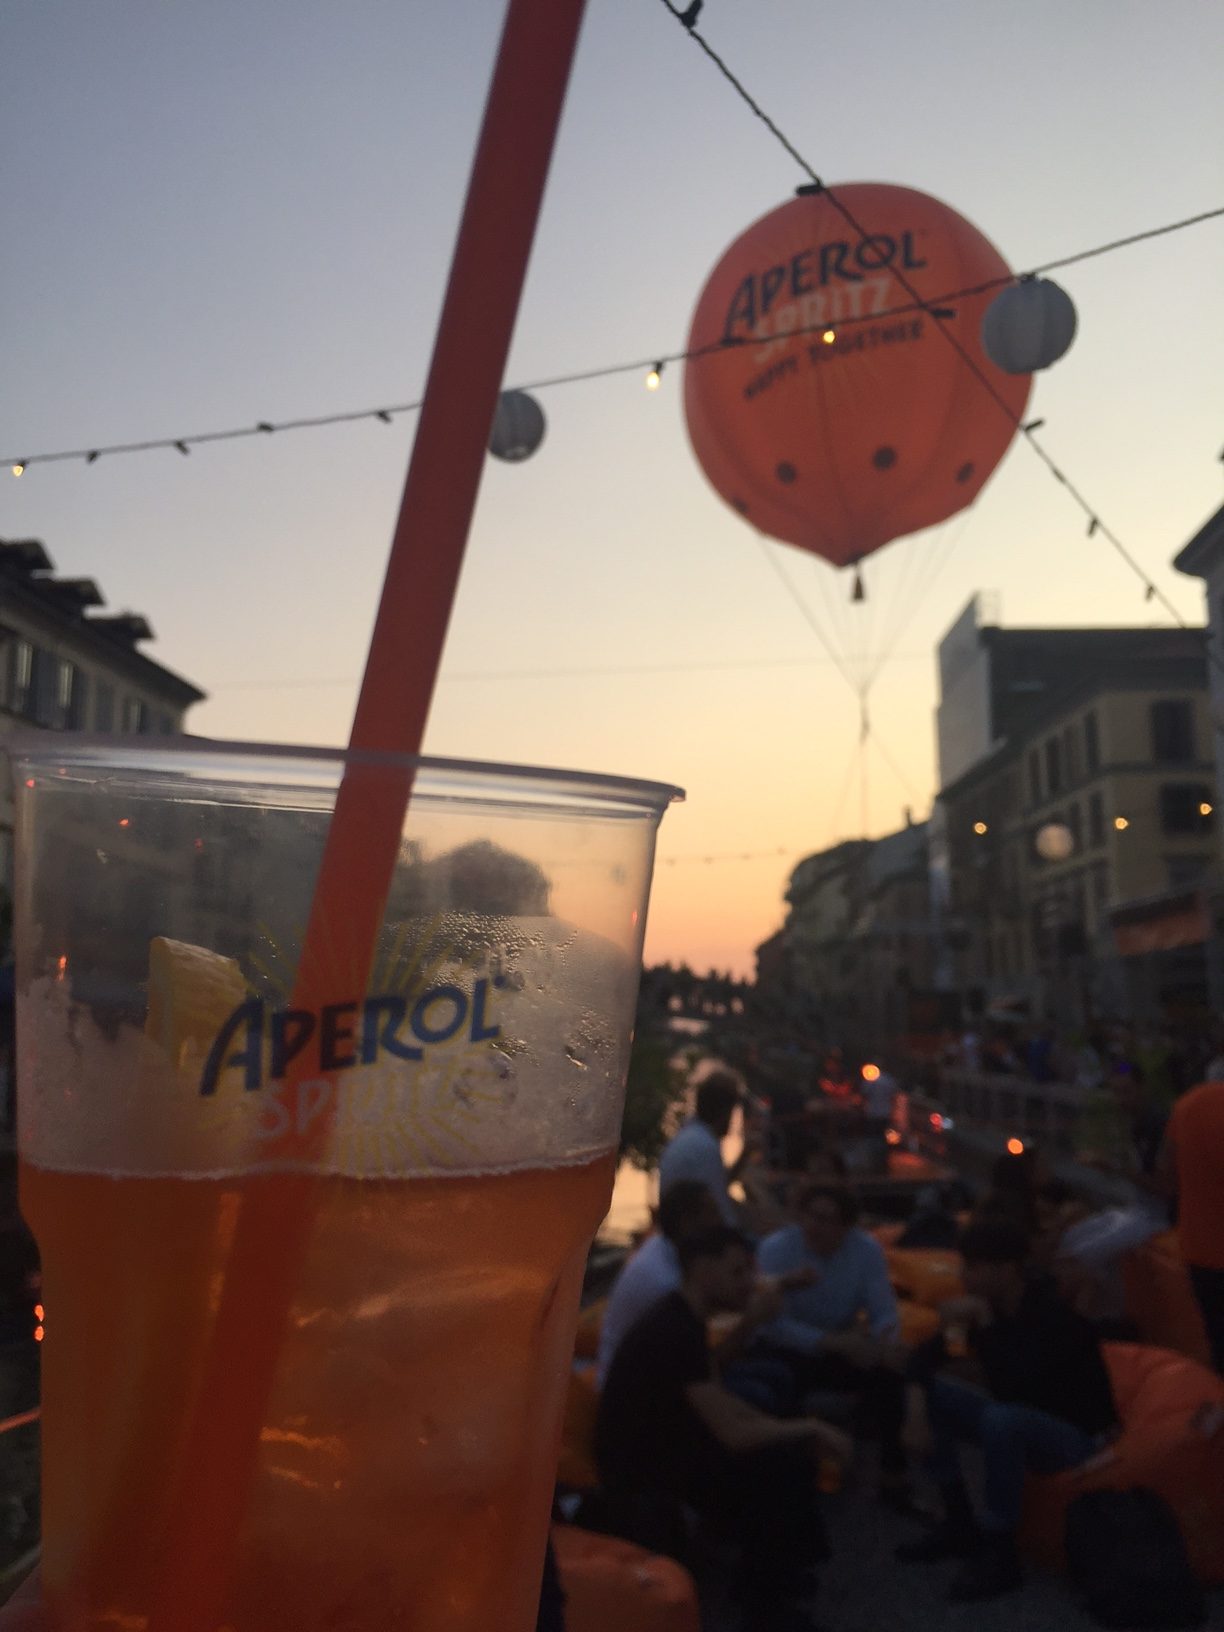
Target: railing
x,y
1049,1113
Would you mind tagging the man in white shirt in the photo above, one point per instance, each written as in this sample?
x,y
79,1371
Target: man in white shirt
x,y
687,1210
696,1151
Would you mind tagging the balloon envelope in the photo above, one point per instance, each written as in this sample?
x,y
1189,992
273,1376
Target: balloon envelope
x,y
824,416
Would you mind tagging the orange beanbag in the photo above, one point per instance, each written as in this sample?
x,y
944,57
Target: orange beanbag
x,y
1160,1299
612,1586
918,1323
928,1275
576,1468
1172,1442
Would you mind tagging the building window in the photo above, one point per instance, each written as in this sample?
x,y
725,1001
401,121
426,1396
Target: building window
x,y
22,676
133,709
1096,821
1034,771
1185,809
1092,744
104,706
1054,766
1172,732
1070,748
70,695
1074,823
45,689
1184,870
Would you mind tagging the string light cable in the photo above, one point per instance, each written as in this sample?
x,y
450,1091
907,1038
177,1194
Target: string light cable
x,y
935,307
651,367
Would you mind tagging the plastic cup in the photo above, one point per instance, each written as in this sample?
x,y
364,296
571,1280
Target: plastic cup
x,y
472,1098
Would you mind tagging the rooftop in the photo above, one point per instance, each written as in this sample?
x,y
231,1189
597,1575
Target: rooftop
x,y
27,579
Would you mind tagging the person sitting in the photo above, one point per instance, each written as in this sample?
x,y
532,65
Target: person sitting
x,y
1014,1191
1046,1405
669,1433
696,1150
818,1333
935,1221
686,1211
650,1273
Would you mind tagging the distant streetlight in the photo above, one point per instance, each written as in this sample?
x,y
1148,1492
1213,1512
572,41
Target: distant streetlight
x,y
1121,823
980,829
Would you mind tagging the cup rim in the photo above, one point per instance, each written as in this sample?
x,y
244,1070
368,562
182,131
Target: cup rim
x,y
42,749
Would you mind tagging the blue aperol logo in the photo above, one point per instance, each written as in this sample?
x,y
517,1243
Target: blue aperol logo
x,y
262,1042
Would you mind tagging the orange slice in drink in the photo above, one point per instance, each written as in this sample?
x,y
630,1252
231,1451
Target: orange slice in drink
x,y
192,992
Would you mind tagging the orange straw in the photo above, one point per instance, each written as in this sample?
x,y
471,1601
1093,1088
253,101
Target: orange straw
x,y
209,1505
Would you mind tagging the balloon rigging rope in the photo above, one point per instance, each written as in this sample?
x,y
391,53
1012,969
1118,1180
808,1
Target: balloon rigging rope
x,y
933,565
867,732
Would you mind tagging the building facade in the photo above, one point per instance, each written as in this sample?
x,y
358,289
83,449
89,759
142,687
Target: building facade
x,y
67,666
1203,557
1077,851
857,938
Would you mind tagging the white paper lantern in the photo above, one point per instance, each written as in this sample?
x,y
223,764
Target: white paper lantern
x,y
518,427
1055,842
1028,325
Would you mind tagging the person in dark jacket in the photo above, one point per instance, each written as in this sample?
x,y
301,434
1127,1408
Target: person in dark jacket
x,y
669,1432
1040,1401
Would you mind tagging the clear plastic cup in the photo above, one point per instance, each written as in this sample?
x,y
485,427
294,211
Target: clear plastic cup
x,y
471,1096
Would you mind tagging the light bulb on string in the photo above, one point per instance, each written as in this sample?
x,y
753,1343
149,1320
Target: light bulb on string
x,y
19,468
655,378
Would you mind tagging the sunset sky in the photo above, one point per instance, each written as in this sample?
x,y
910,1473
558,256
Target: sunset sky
x,y
230,212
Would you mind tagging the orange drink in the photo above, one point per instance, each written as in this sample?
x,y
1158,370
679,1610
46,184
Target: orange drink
x,y
406,1463
442,1128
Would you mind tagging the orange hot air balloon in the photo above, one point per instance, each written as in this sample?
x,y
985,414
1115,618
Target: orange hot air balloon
x,y
864,426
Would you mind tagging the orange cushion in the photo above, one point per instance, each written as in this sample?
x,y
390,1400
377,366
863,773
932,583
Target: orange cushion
x,y
929,1275
1160,1299
612,1586
918,1323
590,1324
576,1468
1155,1387
1160,1398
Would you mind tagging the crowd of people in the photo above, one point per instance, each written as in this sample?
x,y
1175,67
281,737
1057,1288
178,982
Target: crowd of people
x,y
741,1366
1166,1061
